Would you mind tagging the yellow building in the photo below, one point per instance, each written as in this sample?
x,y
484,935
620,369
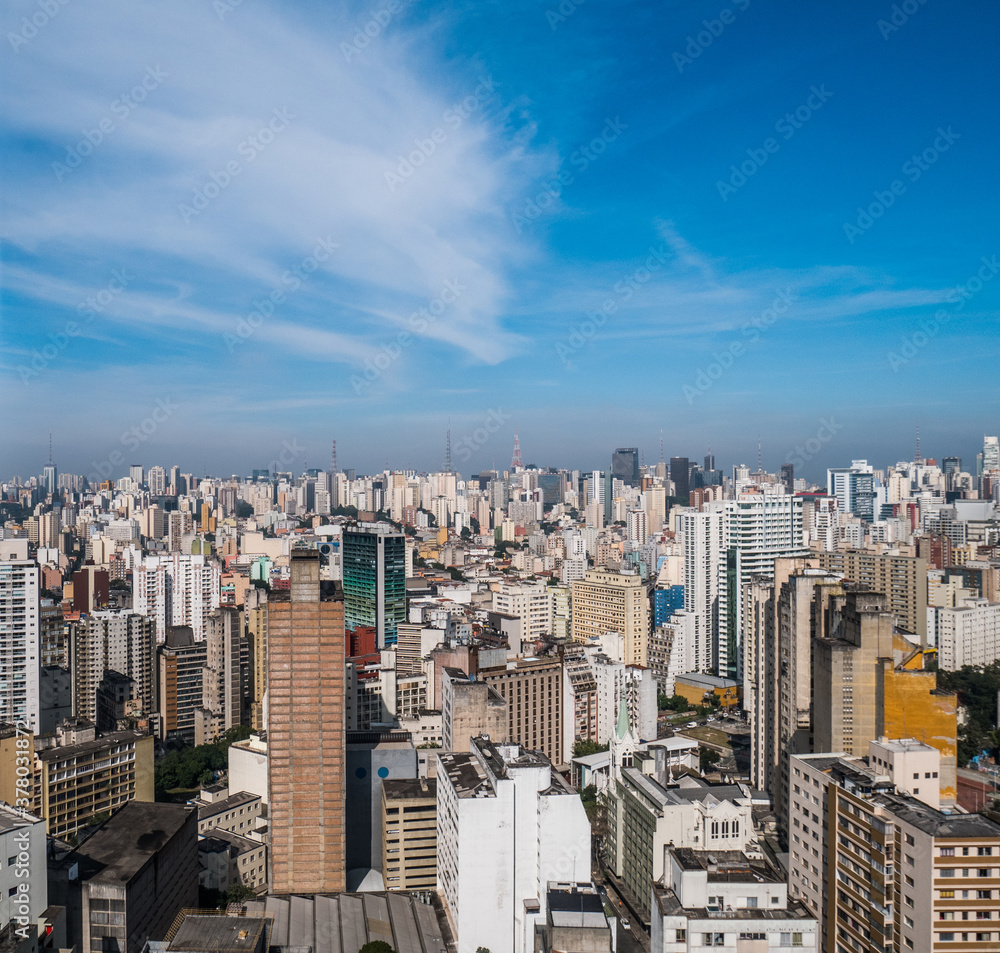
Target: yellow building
x,y
612,602
409,834
698,688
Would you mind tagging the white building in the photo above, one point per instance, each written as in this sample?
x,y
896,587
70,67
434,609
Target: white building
x,y
529,602
507,825
248,767
967,634
23,884
20,635
176,589
709,899
702,536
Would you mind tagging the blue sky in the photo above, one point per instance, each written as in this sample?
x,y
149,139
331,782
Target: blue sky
x,y
725,220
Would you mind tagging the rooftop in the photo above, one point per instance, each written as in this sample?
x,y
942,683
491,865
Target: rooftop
x,y
61,752
400,788
211,808
937,823
576,907
198,933
123,845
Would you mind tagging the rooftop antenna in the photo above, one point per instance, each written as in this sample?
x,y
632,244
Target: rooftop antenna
x,y
760,466
50,448
661,445
515,463
448,468
916,457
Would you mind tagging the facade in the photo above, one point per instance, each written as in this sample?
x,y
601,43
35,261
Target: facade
x,y
533,691
306,743
76,781
129,880
20,636
175,589
529,602
725,899
470,708
22,863
903,579
968,634
507,824
702,538
180,663
374,577
113,641
409,834
904,876
612,602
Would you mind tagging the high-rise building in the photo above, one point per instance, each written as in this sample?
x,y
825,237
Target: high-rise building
x,y
880,865
625,465
374,569
469,708
529,602
157,481
854,489
176,589
409,834
115,641
136,475
306,738
533,691
702,537
20,636
180,665
680,475
759,528
508,824
612,602
788,477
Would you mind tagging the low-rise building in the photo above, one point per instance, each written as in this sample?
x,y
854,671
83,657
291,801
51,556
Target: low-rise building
x,y
409,834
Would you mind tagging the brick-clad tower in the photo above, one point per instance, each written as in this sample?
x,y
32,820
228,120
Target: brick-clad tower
x,y
305,693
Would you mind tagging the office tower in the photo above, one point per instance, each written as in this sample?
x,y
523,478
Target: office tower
x,y
469,708
612,602
180,665
128,881
854,489
507,825
136,475
788,477
951,465
533,691
903,579
409,834
20,636
679,474
758,529
176,590
702,535
887,870
625,465
709,462
991,453
305,661
374,571
111,641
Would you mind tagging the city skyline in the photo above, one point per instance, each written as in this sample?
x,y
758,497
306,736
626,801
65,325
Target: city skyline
x,y
253,226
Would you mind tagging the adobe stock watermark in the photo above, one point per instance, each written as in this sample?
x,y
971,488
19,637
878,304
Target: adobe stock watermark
x,y
899,16
88,310
580,158
913,169
371,28
957,297
786,127
425,147
563,12
121,108
723,361
133,438
472,442
248,149
420,320
291,280
290,452
46,12
586,330
699,42
828,428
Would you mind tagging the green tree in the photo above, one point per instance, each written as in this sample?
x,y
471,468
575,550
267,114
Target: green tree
x,y
237,893
583,747
376,946
707,757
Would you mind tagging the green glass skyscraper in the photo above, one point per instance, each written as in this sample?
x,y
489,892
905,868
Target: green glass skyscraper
x,y
374,563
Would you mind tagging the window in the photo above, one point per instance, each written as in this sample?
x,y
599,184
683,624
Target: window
x,y
983,937
909,839
681,936
714,939
946,915
983,872
946,937
984,851
947,894
947,871
984,894
751,901
984,915
947,851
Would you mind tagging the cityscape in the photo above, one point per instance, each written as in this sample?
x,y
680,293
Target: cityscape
x,y
499,477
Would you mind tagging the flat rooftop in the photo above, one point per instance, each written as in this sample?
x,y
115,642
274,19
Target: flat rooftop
x,y
576,908
61,752
937,823
409,788
123,845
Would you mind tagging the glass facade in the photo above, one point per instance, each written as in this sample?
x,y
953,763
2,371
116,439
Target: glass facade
x,y
374,564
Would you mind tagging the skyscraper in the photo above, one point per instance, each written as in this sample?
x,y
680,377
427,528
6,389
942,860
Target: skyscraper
x,y
679,470
306,740
625,465
20,635
375,580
